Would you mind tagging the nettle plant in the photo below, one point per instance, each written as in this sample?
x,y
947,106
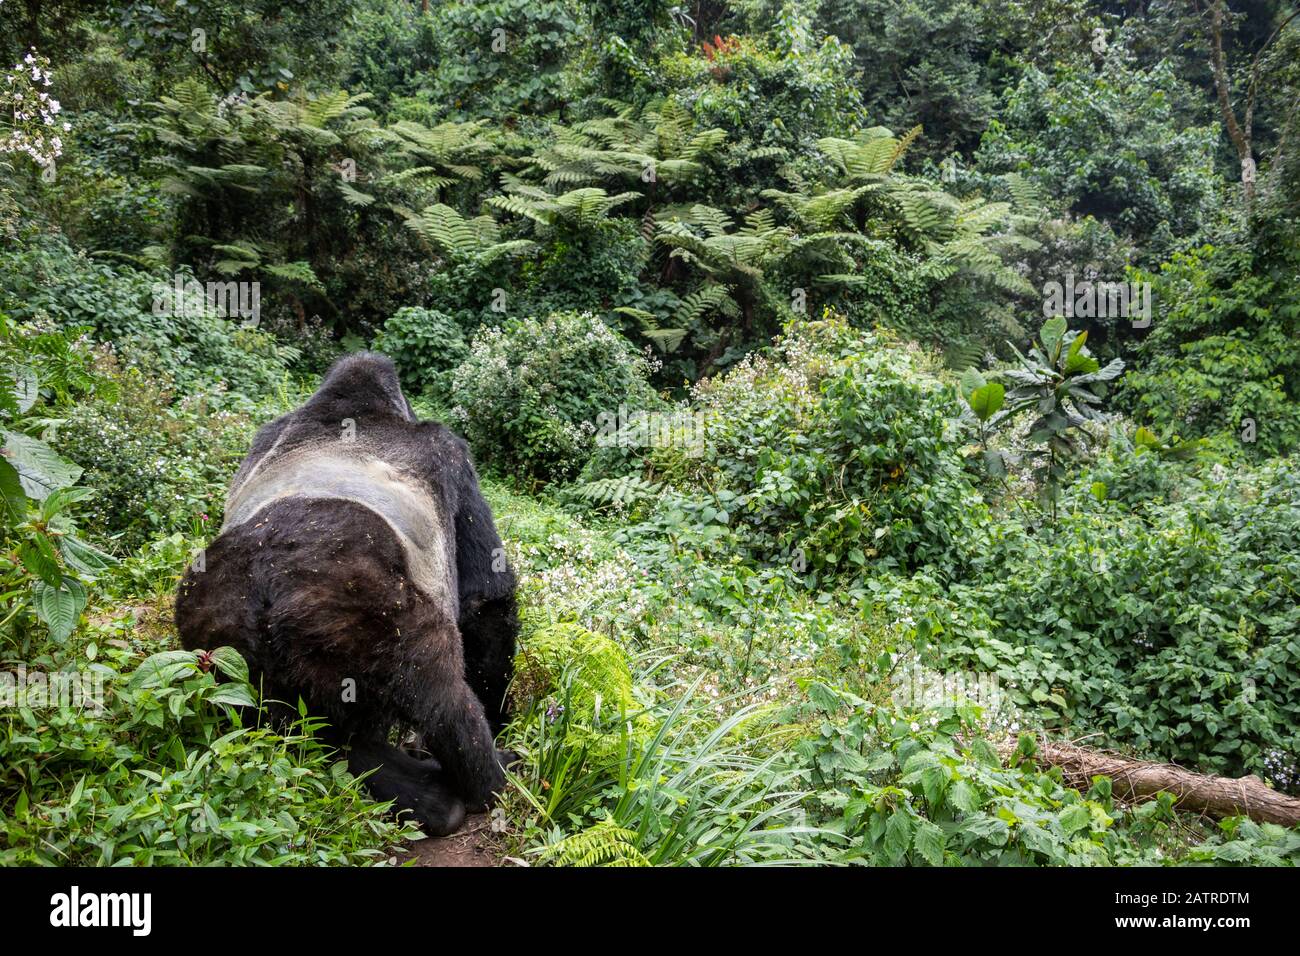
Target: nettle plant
x,y
43,563
1061,382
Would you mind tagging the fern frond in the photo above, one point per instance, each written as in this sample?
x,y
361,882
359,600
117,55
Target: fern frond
x,y
699,302
605,844
714,221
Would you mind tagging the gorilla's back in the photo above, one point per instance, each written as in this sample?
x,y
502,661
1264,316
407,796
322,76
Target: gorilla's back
x,y
356,472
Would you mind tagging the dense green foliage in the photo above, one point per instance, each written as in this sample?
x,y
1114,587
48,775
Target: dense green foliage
x,y
826,509
528,395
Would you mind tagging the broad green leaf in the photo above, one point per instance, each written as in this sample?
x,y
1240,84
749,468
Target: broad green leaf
x,y
1111,371
1145,438
83,557
40,468
1076,361
60,499
971,379
231,663
11,491
233,694
77,791
37,556
1075,817
26,387
963,797
986,400
929,842
59,607
995,463
1237,851
1051,334
898,835
159,670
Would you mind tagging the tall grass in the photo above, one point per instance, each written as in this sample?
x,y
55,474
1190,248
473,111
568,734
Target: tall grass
x,y
674,784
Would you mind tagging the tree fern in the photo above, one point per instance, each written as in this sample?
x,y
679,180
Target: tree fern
x,y
583,207
457,236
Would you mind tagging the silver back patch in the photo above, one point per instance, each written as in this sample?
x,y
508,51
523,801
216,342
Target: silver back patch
x,y
347,472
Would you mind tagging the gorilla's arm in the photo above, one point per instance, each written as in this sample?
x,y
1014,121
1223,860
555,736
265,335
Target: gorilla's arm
x,y
489,619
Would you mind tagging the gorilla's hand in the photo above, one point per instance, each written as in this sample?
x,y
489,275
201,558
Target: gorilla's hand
x,y
508,758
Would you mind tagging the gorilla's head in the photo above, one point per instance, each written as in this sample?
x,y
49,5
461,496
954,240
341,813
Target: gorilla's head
x,y
361,383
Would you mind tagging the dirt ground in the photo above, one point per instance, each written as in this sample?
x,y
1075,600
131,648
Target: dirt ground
x,y
474,844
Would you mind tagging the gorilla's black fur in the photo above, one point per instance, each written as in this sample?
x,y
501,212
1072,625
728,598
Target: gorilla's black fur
x,y
359,570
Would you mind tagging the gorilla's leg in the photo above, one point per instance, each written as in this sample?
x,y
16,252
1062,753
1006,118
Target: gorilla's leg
x,y
461,742
488,629
430,692
415,786
489,618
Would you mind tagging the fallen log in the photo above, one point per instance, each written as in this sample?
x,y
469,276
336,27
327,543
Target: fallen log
x,y
1136,780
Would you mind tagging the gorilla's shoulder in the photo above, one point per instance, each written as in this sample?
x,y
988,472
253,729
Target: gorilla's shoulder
x,y
443,443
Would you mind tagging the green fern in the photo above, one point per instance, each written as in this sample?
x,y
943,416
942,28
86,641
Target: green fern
x,y
962,355
583,207
624,492
458,237
604,844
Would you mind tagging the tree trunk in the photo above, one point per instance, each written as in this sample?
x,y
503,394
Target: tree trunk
x,y
1136,780
1241,137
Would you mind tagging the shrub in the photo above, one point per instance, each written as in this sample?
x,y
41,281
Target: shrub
x,y
426,345
157,465
838,453
44,280
1220,359
44,565
529,394
167,773
1138,166
773,97
590,267
1172,627
926,789
473,77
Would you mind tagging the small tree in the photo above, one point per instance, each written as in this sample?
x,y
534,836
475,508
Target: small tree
x,y
1063,383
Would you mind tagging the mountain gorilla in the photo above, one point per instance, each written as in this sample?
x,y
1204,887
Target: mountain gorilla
x,y
359,570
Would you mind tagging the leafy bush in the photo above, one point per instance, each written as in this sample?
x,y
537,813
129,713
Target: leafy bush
x,y
44,564
773,98
529,394
426,346
44,280
1171,627
163,771
1220,359
1062,385
501,58
922,789
589,267
158,463
837,454
1112,145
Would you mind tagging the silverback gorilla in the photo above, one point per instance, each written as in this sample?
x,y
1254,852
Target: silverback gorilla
x,y
359,570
